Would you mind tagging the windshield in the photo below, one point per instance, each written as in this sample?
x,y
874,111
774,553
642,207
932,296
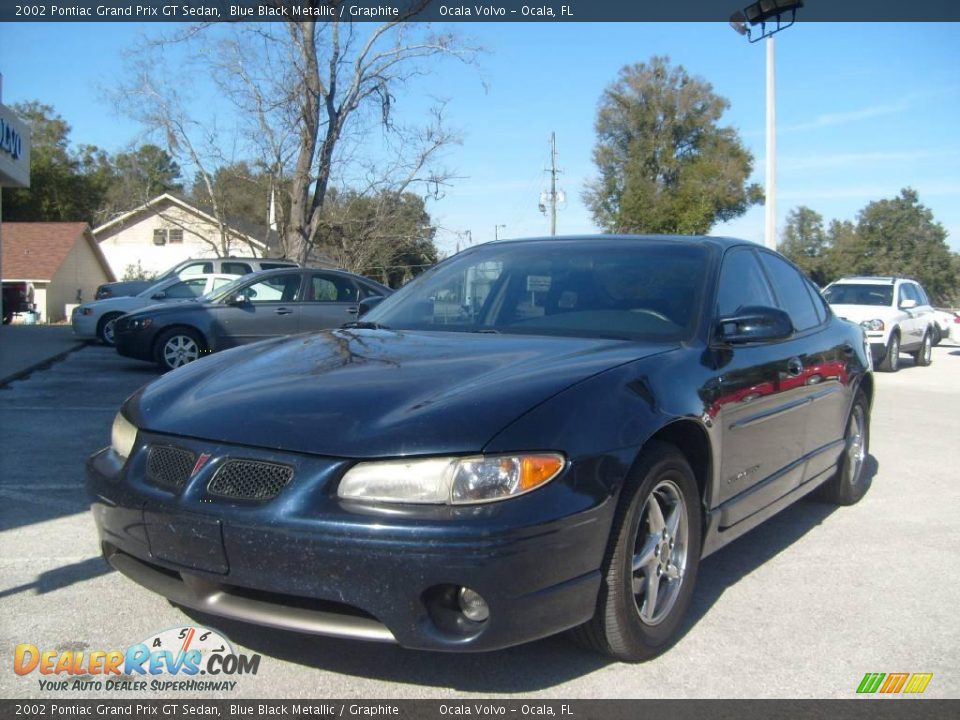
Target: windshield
x,y
592,288
858,294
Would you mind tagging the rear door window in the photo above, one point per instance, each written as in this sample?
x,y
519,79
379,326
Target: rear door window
x,y
742,283
236,268
790,288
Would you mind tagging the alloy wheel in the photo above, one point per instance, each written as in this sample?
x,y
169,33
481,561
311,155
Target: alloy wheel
x,y
856,448
660,552
180,350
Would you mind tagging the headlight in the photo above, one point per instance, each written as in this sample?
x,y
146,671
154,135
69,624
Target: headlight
x,y
873,325
123,436
141,323
452,481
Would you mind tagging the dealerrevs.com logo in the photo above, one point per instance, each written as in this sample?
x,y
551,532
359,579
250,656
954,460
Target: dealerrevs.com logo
x,y
179,659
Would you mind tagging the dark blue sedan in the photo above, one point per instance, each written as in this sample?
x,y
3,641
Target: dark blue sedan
x,y
533,436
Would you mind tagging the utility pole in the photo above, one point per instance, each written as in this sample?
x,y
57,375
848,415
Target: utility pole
x,y
550,198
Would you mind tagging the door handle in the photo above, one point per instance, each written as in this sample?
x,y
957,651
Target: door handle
x,y
283,311
794,366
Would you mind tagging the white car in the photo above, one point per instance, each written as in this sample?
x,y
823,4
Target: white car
x,y
895,314
94,320
948,326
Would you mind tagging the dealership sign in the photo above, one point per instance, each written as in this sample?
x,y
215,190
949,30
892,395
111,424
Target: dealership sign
x,y
14,150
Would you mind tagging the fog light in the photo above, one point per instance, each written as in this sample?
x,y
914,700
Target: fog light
x,y
472,605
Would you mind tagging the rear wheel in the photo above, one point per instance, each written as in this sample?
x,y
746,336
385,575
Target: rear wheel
x,y
178,347
850,483
652,560
891,359
924,356
105,328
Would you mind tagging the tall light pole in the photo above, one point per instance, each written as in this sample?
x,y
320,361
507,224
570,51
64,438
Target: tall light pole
x,y
496,231
780,14
770,206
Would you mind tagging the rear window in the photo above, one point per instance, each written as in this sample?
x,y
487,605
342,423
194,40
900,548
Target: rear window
x,y
275,265
236,268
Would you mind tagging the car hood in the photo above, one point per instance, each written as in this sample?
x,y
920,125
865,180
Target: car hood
x,y
859,313
372,393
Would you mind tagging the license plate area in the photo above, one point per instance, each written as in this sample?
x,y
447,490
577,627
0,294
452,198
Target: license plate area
x,y
193,541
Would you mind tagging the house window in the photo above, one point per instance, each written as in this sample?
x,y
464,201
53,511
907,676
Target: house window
x,y
175,236
159,237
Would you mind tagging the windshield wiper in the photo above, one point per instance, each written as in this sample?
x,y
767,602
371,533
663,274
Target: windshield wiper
x,y
363,325
491,331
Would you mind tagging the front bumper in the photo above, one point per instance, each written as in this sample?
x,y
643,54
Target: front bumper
x,y
137,344
84,326
310,562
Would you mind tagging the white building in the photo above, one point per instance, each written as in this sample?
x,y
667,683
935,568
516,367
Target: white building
x,y
165,231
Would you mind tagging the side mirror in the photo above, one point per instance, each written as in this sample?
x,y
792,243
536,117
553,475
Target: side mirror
x,y
368,304
158,296
237,299
754,324
908,304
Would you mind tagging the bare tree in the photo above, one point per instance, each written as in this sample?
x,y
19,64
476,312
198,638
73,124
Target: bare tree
x,y
318,104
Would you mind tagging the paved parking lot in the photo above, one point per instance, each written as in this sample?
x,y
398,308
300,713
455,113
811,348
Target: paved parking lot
x,y
801,607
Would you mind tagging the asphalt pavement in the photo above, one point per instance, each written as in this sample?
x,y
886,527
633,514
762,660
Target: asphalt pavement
x,y
801,607
26,348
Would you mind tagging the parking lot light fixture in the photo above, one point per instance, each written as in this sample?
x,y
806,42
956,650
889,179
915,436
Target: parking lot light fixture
x,y
771,15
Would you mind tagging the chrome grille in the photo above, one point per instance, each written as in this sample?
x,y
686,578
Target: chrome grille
x,y
250,480
169,467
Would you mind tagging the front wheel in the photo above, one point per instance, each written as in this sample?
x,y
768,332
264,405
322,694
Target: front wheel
x,y
924,356
105,328
178,347
891,359
652,560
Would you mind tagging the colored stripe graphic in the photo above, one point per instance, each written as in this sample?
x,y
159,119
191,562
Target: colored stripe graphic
x,y
870,682
918,683
894,683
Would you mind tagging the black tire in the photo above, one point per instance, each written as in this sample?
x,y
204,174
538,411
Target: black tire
x,y
937,335
848,485
891,357
177,347
105,328
924,356
619,627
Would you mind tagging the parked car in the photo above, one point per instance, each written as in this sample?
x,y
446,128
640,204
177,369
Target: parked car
x,y
17,298
895,313
201,266
254,307
945,320
559,455
95,320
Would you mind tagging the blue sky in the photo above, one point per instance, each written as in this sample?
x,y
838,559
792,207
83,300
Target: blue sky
x,y
862,110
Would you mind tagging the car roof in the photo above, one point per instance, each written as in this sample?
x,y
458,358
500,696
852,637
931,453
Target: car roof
x,y
872,280
716,241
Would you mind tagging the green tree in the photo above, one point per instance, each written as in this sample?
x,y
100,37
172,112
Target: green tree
x,y
901,237
388,236
665,164
64,185
805,242
137,177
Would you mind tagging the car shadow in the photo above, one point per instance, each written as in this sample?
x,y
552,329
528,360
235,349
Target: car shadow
x,y
61,577
535,666
726,567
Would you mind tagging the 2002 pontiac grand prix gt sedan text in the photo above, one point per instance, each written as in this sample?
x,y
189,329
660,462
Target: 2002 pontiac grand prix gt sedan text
x,y
532,436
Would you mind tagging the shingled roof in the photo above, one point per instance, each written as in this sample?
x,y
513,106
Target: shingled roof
x,y
36,250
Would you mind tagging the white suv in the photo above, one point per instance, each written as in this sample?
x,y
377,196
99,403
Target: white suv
x,y
895,314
